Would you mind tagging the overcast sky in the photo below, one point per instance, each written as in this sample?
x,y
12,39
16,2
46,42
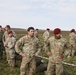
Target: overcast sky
x,y
40,14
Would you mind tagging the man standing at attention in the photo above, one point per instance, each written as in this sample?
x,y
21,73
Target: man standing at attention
x,y
55,49
6,35
31,47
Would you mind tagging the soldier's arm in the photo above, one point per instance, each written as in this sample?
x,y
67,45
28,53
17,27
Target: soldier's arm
x,y
39,47
18,45
6,43
47,47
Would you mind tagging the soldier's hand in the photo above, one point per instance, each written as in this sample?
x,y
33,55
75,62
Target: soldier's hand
x,y
36,54
23,55
49,54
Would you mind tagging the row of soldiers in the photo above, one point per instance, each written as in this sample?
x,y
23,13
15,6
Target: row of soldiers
x,y
29,47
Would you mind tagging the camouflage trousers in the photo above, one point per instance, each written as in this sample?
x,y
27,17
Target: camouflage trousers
x,y
54,68
27,66
10,55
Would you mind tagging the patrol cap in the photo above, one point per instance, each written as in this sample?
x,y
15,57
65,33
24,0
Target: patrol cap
x,y
9,32
30,28
57,31
73,30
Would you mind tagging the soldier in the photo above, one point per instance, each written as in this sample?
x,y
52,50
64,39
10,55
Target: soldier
x,y
56,44
46,35
1,42
10,48
31,47
5,36
36,33
72,41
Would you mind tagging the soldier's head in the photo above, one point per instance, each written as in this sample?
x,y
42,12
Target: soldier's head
x,y
73,30
7,27
0,28
30,31
10,33
37,29
48,29
57,33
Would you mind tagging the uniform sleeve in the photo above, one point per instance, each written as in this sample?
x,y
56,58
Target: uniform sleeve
x,y
6,42
39,46
67,49
18,45
47,45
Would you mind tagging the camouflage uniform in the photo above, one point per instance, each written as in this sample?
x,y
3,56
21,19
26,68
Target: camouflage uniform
x,y
5,36
1,44
46,36
30,46
72,41
57,49
10,50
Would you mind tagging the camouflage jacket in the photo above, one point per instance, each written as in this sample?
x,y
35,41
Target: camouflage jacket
x,y
72,38
56,47
10,42
30,46
5,36
46,35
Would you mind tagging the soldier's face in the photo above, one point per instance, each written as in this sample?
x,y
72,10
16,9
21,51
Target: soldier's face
x,y
31,32
58,36
0,28
6,28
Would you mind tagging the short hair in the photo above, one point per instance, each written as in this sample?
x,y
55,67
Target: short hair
x,y
30,28
8,26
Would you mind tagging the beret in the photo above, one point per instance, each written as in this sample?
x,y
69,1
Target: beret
x,y
73,30
57,31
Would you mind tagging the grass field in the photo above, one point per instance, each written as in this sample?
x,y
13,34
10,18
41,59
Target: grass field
x,y
6,70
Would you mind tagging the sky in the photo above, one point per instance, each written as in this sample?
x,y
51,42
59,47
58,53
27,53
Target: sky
x,y
40,14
